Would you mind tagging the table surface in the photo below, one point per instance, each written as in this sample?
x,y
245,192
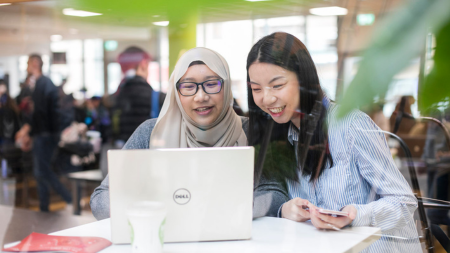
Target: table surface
x,y
268,235
16,223
88,175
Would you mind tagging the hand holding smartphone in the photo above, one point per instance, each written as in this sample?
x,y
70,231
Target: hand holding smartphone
x,y
333,213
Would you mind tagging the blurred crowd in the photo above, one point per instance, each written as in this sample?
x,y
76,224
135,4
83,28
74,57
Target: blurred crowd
x,y
46,132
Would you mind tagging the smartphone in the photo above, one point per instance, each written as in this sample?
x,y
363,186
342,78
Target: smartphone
x,y
333,213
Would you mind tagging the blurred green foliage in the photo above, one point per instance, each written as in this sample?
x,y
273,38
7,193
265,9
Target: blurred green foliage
x,y
437,83
280,162
399,38
144,12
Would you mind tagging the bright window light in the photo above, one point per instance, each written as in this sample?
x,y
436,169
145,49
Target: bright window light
x,y
328,11
4,4
79,13
111,45
161,23
56,37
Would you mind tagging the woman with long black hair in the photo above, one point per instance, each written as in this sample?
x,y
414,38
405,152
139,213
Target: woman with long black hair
x,y
309,160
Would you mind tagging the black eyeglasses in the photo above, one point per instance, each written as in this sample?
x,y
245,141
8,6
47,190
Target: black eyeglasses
x,y
208,86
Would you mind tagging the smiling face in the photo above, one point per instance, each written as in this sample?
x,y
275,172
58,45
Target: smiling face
x,y
276,91
202,108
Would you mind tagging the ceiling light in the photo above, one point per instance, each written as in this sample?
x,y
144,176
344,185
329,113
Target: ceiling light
x,y
5,4
79,13
161,23
56,37
328,11
365,19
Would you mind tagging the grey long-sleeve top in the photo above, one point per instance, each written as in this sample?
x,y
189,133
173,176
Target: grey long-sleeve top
x,y
268,195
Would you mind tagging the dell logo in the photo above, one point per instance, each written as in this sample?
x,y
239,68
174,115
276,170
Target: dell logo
x,y
182,196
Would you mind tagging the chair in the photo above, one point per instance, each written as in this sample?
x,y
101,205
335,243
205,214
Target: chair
x,y
428,230
435,229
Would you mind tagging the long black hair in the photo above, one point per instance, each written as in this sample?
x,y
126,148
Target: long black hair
x,y
269,138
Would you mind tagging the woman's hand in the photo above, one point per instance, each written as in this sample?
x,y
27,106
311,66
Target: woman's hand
x,y
295,210
325,221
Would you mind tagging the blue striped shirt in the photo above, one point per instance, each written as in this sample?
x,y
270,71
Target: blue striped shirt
x,y
363,175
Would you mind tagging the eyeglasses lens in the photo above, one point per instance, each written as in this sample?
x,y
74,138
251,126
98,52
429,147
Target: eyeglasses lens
x,y
210,87
213,86
188,89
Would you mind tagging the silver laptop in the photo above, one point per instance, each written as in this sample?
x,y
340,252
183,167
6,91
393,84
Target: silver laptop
x,y
208,191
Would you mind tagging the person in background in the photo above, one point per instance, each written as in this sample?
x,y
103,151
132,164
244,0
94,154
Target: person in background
x,y
406,124
133,100
66,105
23,100
9,120
25,90
41,132
97,117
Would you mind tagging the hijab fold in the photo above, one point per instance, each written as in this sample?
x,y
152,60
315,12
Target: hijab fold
x,y
175,129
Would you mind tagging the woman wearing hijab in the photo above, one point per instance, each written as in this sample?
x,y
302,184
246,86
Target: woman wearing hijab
x,y
198,112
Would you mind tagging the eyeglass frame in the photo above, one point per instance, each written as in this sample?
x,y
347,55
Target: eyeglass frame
x,y
203,87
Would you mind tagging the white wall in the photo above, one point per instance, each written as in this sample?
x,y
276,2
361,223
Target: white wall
x,y
10,65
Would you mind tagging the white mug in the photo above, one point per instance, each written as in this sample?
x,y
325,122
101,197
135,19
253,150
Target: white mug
x,y
146,220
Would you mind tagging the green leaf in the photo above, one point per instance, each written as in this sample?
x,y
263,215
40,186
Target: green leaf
x,y
397,40
437,83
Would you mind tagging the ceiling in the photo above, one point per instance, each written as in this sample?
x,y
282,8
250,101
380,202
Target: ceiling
x,y
27,24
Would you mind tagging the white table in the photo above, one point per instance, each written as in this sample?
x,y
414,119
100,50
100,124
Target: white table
x,y
268,235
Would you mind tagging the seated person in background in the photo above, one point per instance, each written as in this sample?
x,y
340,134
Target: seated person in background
x,y
347,166
197,112
406,124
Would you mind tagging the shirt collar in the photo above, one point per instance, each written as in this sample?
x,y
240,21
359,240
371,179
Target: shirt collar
x,y
293,133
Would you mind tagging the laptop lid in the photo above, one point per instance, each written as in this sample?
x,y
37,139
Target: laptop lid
x,y
208,191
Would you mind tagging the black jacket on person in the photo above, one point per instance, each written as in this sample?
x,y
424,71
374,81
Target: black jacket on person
x,y
46,114
9,124
134,103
